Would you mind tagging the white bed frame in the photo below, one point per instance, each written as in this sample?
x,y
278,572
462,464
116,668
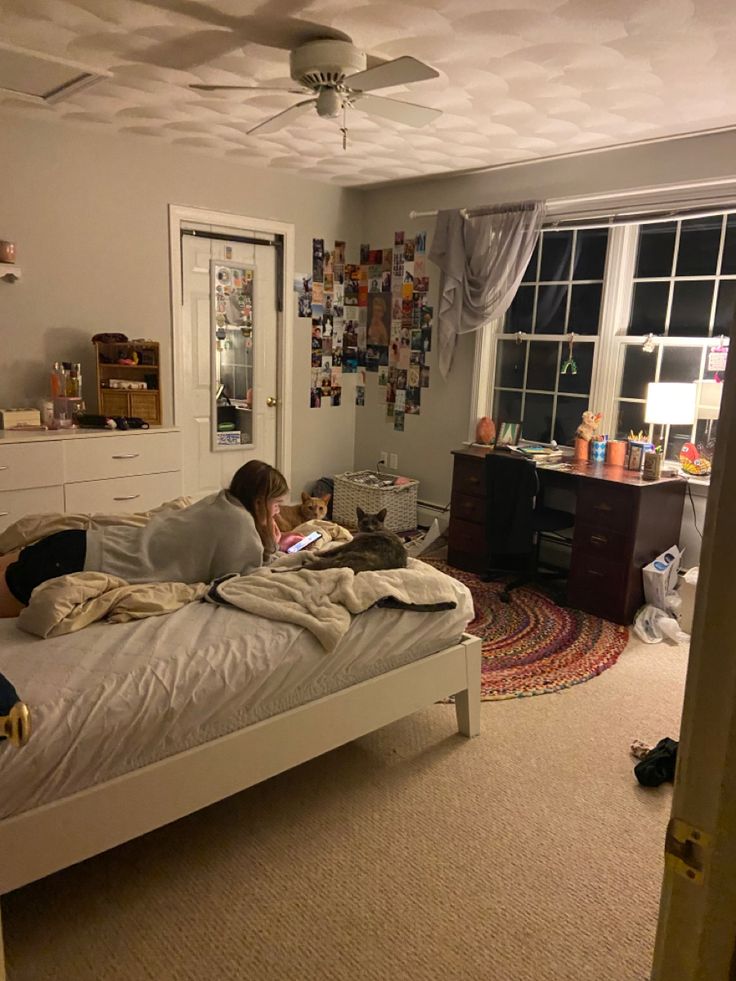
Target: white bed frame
x,y
48,838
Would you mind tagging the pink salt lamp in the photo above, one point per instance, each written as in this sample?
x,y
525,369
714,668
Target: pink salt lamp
x,y
485,431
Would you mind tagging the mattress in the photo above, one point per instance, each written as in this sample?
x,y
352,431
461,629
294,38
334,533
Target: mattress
x,y
115,697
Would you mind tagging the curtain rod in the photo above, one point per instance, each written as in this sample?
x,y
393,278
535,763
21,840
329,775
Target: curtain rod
x,y
561,224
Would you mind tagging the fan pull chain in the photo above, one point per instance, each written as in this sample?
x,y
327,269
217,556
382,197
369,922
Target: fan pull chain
x,y
344,127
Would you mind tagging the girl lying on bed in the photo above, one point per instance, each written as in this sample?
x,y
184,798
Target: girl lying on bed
x,y
231,531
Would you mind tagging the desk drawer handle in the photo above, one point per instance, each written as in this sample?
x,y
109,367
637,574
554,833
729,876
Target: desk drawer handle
x,y
595,572
130,497
125,456
599,539
602,507
473,480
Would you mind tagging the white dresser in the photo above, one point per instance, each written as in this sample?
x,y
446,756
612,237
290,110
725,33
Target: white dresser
x,y
87,470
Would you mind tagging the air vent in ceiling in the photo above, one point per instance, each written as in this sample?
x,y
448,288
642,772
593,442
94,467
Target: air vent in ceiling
x,y
41,77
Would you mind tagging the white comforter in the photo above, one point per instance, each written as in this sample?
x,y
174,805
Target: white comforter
x,y
115,697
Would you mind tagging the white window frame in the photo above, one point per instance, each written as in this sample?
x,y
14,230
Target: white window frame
x,y
612,339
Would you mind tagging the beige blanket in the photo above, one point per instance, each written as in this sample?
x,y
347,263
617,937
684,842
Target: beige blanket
x,y
324,602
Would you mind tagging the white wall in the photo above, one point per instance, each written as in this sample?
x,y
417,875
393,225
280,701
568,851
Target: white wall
x,y
425,445
88,213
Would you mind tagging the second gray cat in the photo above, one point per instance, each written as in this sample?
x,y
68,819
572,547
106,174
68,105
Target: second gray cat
x,y
372,549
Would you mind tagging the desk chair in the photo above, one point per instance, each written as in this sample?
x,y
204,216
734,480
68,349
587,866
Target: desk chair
x,y
517,521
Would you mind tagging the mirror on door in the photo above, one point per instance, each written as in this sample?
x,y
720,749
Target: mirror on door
x,y
232,362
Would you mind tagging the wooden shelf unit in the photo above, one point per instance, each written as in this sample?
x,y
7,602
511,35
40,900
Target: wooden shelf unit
x,y
143,403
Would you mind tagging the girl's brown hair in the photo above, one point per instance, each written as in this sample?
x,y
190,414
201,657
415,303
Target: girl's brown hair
x,y
254,485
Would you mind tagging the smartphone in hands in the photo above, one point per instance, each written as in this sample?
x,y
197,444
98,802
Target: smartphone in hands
x,y
307,540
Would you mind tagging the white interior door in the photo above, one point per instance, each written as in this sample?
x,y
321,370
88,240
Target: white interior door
x,y
206,467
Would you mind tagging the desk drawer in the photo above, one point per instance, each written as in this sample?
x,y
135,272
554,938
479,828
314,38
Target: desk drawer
x,y
469,476
609,507
464,536
597,584
138,493
16,504
468,508
99,458
601,540
30,465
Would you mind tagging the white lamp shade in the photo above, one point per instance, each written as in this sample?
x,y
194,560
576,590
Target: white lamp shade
x,y
670,402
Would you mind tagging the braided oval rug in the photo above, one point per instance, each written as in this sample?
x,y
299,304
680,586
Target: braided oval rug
x,y
531,646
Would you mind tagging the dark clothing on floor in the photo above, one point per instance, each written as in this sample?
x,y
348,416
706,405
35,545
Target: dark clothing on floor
x,y
658,765
59,554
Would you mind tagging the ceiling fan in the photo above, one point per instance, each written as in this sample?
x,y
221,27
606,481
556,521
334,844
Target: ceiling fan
x,y
335,73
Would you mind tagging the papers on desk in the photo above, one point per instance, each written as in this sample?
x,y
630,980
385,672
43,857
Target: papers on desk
x,y
541,454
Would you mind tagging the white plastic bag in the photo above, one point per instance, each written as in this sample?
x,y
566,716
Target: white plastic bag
x,y
652,625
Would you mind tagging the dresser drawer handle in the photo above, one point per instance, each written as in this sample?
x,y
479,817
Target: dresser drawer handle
x,y
4,468
599,539
130,497
4,514
125,456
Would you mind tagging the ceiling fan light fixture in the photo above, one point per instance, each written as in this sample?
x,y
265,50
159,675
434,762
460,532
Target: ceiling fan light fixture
x,y
329,103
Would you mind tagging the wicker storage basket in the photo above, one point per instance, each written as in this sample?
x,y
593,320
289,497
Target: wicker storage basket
x,y
400,501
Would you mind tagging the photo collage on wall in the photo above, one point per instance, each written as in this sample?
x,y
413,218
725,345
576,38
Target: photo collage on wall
x,y
371,316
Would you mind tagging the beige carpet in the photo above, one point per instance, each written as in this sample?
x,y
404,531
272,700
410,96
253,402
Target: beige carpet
x,y
528,854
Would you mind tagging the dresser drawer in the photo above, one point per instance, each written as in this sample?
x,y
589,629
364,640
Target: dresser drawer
x,y
139,493
468,508
16,504
607,506
121,456
601,540
469,476
30,465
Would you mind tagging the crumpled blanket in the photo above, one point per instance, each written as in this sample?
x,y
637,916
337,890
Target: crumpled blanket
x,y
69,603
324,602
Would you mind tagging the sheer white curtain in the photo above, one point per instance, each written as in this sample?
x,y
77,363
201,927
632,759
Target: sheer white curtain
x,y
482,258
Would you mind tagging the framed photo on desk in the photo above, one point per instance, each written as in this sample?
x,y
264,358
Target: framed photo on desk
x,y
508,434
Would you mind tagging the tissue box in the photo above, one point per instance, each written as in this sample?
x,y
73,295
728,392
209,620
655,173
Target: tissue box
x,y
13,418
660,577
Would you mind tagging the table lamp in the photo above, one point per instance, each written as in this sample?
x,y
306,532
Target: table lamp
x,y
669,403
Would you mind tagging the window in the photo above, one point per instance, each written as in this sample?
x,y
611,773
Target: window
x,y
650,302
544,358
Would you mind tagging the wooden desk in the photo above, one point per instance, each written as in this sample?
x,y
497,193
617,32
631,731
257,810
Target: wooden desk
x,y
621,523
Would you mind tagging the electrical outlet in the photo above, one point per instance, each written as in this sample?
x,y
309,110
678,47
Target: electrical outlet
x,y
393,461
383,458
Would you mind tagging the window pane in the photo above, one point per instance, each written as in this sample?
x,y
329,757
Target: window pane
x,y
649,308
569,413
520,312
680,364
728,263
542,370
510,364
585,308
700,239
506,407
725,307
630,418
530,273
537,423
656,248
556,255
590,254
579,382
690,314
551,309
639,368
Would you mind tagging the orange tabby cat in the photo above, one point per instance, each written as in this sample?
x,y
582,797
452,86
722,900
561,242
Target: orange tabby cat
x,y
292,515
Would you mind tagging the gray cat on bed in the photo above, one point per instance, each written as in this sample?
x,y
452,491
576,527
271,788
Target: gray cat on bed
x,y
372,549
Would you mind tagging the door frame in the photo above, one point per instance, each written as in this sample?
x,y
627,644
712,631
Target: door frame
x,y
240,225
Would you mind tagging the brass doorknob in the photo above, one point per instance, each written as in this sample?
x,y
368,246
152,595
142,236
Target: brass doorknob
x,y
271,401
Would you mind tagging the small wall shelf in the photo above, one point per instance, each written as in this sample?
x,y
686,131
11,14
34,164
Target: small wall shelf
x,y
9,272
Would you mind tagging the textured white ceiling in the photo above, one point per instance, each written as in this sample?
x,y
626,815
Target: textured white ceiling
x,y
519,79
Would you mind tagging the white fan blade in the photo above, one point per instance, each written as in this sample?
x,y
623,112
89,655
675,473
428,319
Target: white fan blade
x,y
400,112
246,88
282,119
400,71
